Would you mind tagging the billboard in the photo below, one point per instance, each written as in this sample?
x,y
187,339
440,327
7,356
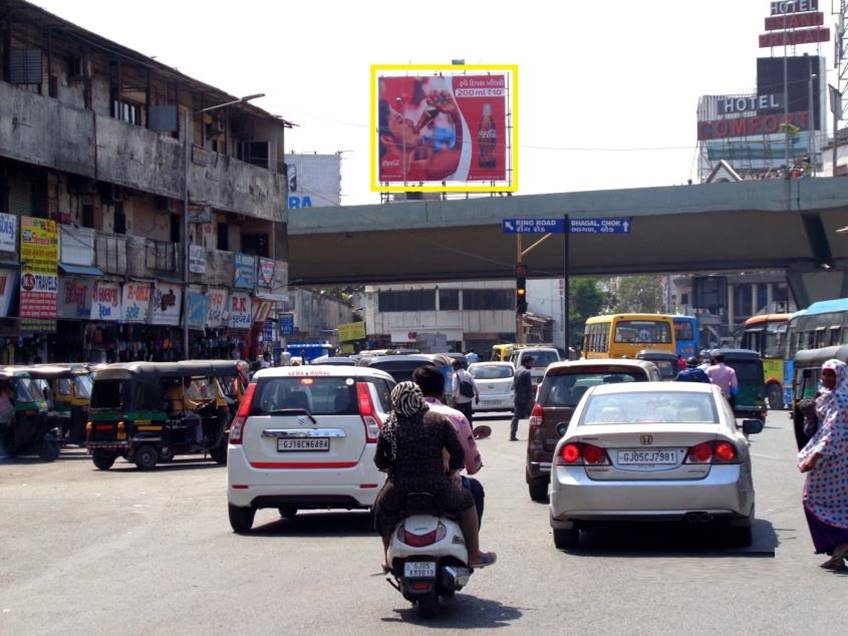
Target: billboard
x,y
799,69
39,274
443,125
314,180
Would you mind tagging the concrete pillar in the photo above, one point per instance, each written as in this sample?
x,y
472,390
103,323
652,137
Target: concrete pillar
x,y
755,288
769,295
730,309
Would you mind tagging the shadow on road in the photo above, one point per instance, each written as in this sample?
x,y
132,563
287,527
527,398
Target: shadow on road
x,y
319,524
187,463
461,612
674,540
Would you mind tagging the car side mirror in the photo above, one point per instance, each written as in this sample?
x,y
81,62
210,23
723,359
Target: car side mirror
x,y
752,427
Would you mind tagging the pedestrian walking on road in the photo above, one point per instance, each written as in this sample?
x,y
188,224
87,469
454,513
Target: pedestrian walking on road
x,y
464,391
825,461
522,385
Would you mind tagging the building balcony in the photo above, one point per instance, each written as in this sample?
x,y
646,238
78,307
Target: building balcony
x,y
42,131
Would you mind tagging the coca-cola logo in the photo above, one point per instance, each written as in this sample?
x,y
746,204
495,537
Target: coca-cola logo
x,y
391,163
488,134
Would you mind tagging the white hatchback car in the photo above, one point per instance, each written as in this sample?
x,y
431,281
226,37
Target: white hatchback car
x,y
304,437
494,383
653,451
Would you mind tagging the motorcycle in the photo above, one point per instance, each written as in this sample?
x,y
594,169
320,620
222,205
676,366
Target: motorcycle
x,y
427,555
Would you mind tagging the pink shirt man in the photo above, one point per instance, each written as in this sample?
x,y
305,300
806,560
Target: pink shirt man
x,y
724,378
473,461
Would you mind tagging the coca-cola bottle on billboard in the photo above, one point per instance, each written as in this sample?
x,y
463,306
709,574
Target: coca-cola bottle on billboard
x,y
487,139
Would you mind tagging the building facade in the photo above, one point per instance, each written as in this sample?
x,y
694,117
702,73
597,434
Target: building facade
x,y
95,152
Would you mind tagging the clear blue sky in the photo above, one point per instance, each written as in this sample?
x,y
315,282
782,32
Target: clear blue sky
x,y
608,89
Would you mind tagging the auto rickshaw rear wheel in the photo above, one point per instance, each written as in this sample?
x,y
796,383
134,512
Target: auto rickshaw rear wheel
x,y
103,459
49,449
145,457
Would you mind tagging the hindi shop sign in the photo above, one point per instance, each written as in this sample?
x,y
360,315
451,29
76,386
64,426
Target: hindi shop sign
x,y
197,304
8,232
39,270
240,311
167,303
216,312
136,302
75,295
266,272
106,301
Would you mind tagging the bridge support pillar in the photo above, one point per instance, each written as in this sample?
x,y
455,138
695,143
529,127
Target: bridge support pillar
x,y
814,285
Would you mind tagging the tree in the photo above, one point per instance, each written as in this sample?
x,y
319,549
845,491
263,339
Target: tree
x,y
639,294
587,299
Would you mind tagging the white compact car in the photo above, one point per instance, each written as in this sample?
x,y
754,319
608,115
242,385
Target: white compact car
x,y
494,382
304,437
653,451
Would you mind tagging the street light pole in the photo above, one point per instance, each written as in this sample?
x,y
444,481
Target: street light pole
x,y
186,164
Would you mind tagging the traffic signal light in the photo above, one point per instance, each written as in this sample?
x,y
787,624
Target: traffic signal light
x,y
520,289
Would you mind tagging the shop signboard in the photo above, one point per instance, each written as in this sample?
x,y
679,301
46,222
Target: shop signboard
x,y
245,271
77,245
75,295
106,301
8,232
286,324
136,302
216,312
266,272
198,306
351,331
167,303
39,273
240,310
261,309
197,259
8,281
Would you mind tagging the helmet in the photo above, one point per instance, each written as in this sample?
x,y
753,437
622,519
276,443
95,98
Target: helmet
x,y
693,361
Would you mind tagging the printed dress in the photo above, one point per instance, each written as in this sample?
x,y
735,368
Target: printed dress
x,y
826,488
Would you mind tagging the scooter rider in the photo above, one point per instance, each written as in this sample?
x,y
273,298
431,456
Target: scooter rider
x,y
432,384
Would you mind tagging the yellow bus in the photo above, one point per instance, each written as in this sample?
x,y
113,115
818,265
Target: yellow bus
x,y
766,334
625,335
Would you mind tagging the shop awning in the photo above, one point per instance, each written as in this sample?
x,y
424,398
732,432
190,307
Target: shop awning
x,y
80,270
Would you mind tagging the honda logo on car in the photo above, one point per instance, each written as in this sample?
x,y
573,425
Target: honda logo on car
x,y
646,440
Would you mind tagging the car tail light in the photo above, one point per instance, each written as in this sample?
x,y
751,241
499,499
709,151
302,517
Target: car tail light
x,y
537,416
423,540
571,454
717,452
237,425
594,455
369,414
700,454
724,452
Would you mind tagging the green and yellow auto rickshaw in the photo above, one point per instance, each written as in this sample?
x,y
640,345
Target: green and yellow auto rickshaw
x,y
805,382
24,428
149,412
67,389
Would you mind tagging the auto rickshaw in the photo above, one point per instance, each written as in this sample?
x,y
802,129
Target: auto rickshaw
x,y
67,389
149,412
666,362
750,402
805,382
28,432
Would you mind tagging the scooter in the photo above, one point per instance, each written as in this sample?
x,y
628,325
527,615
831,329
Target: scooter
x,y
427,555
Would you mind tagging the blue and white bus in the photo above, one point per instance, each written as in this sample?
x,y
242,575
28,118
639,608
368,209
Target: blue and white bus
x,y
687,336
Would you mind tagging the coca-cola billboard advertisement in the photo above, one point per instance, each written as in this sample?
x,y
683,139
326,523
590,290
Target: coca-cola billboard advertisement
x,y
442,128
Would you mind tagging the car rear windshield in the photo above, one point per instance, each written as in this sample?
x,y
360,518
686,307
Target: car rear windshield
x,y
107,394
651,407
317,395
491,372
541,358
566,389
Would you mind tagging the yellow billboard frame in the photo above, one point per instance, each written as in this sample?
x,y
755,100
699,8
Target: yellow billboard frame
x,y
418,68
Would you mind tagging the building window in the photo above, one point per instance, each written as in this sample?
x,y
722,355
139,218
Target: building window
x,y
223,236
88,216
488,299
120,225
175,228
742,300
127,112
448,299
684,299
413,300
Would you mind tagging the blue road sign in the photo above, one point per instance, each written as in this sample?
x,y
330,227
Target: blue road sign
x,y
608,225
534,226
286,324
603,225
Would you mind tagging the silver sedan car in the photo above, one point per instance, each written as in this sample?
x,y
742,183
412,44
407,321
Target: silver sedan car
x,y
652,451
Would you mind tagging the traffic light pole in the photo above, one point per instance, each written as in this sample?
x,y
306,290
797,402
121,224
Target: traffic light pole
x,y
519,318
566,290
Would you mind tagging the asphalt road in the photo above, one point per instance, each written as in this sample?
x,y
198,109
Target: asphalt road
x,y
131,552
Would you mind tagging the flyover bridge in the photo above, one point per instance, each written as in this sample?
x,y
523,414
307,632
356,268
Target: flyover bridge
x,y
788,225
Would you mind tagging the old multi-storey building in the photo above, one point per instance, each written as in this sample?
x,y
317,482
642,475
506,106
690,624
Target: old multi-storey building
x,y
93,138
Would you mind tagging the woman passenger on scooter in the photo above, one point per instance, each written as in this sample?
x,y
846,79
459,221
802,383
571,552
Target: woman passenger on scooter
x,y
409,450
